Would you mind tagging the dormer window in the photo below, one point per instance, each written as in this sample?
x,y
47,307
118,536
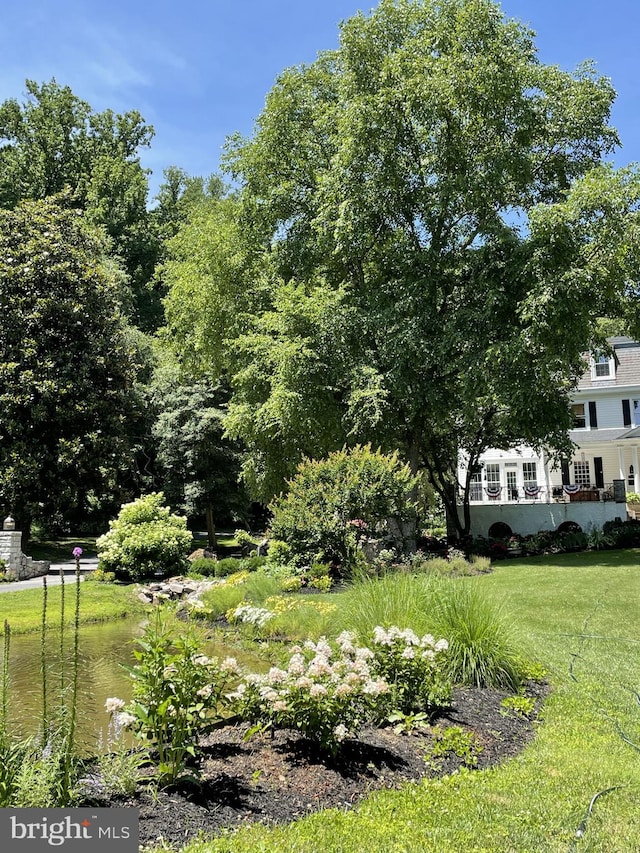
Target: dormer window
x,y
603,367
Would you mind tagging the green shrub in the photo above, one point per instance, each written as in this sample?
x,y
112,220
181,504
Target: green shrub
x,y
146,539
280,554
227,566
244,541
482,648
100,576
178,693
252,564
622,534
290,584
205,566
323,583
332,502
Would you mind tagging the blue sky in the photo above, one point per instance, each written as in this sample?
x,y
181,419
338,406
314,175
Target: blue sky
x,y
199,71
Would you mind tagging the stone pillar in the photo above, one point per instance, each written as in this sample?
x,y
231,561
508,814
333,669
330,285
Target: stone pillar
x,y
10,541
17,565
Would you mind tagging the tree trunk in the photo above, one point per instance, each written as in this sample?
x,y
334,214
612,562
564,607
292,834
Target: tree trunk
x,y
211,528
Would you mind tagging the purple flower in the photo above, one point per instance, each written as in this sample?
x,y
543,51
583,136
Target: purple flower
x,y
77,553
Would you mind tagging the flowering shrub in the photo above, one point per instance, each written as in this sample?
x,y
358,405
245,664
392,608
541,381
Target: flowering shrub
x,y
145,538
332,503
177,692
323,693
414,667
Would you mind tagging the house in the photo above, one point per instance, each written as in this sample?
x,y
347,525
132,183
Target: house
x,y
519,490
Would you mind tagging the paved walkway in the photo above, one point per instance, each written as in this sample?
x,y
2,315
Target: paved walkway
x,y
87,564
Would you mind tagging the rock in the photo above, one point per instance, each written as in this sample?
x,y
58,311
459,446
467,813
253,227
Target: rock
x,y
145,597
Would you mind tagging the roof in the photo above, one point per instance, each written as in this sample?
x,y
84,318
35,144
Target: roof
x,y
627,357
596,436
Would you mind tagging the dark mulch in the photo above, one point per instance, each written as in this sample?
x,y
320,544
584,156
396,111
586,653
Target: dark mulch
x,y
278,778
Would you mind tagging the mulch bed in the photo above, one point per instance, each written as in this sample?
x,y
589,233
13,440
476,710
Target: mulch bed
x,y
276,778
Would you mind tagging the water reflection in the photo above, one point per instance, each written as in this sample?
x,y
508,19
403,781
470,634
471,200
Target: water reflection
x,y
105,650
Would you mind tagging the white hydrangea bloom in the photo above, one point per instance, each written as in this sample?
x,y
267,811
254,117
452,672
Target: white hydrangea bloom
x,y
340,732
277,676
124,719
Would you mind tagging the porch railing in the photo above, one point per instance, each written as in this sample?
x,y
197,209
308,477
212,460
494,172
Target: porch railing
x,y
480,493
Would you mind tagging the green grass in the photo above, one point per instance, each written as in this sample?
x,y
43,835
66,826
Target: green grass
x,y
98,603
579,616
60,550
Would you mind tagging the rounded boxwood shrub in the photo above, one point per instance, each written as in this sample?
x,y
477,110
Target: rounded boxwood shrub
x,y
146,539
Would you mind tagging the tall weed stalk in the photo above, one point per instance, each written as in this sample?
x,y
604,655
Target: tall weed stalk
x,y
42,771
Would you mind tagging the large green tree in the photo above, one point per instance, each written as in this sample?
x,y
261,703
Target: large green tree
x,y
436,226
53,141
68,363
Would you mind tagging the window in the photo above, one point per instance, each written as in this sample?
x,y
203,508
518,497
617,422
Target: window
x,y
581,476
493,480
475,487
603,367
631,479
529,475
579,419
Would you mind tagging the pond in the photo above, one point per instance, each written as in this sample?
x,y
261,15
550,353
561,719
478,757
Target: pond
x,y
105,649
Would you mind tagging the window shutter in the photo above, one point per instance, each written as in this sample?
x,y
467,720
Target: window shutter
x,y
565,474
599,472
626,413
593,416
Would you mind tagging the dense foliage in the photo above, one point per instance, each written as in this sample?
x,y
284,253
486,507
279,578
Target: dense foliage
x,y
67,363
437,231
331,502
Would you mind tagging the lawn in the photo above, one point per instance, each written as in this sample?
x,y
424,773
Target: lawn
x,y
578,615
99,602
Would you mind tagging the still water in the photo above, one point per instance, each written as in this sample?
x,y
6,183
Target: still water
x,y
105,650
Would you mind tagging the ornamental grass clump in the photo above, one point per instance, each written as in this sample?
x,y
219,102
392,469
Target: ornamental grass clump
x,y
483,649
322,692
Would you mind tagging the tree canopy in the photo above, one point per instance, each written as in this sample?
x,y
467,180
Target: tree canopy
x,y
54,142
439,234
